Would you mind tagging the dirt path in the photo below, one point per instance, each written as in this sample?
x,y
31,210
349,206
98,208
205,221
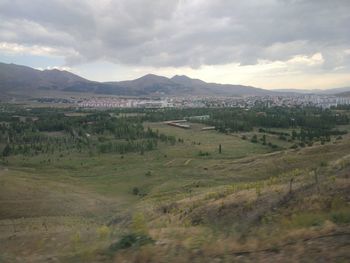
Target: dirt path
x,y
188,161
170,162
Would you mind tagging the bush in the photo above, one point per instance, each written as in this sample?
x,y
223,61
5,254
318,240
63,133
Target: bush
x,y
131,240
341,217
135,191
139,226
306,220
103,232
254,139
282,137
203,153
294,146
323,164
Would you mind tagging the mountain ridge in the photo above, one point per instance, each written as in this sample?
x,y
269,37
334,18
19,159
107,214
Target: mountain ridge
x,y
317,91
24,81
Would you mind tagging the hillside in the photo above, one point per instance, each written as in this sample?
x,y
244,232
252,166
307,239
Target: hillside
x,y
16,78
150,192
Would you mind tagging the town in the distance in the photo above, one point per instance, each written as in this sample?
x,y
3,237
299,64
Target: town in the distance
x,y
105,102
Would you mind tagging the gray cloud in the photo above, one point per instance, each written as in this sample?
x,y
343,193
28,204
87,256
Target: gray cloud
x,y
181,32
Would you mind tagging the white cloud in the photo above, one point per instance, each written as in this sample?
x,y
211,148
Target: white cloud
x,y
56,67
14,48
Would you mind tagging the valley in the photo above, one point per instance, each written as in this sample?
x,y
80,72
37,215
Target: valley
x,y
123,186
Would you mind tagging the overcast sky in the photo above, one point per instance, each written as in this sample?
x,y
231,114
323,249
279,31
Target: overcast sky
x,y
264,43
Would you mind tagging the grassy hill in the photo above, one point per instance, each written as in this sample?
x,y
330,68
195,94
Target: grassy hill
x,y
249,203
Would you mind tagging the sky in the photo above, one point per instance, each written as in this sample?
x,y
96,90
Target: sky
x,y
302,44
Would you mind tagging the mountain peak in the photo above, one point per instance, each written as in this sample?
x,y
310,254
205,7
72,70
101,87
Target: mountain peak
x,y
185,80
148,76
180,77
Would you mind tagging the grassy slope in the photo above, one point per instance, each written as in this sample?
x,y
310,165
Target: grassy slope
x,y
196,207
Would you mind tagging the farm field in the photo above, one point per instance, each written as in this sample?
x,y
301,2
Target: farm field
x,y
179,202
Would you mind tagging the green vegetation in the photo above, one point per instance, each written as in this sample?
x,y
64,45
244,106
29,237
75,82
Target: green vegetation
x,y
122,186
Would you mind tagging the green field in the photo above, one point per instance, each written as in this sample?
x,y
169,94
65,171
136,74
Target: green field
x,y
195,203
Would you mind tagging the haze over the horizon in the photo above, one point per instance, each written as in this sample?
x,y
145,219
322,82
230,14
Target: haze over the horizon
x,y
264,43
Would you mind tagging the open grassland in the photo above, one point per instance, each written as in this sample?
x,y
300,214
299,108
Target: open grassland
x,y
184,203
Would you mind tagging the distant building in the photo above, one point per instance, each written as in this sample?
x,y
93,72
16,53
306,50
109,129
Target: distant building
x,y
199,118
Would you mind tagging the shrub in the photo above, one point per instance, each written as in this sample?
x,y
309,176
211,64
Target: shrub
x,y
131,240
323,164
338,203
135,191
103,231
306,220
203,153
139,225
294,146
341,217
254,139
282,137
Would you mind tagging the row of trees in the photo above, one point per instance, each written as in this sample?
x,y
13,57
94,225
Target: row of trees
x,y
49,131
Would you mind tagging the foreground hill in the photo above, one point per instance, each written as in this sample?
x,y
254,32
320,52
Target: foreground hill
x,y
17,80
69,197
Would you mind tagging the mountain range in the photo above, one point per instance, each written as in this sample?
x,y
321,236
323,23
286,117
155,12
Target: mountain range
x,y
26,82
316,91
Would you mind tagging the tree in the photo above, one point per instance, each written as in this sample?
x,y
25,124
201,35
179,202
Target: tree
x,y
7,150
254,139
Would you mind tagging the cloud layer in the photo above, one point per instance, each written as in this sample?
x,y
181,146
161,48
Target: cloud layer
x,y
181,33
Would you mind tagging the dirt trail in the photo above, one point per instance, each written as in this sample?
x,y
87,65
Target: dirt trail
x,y
188,161
170,162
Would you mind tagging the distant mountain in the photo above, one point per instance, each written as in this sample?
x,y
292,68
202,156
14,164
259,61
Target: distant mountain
x,y
16,80
151,85
316,91
204,88
182,86
22,81
299,91
16,77
336,90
